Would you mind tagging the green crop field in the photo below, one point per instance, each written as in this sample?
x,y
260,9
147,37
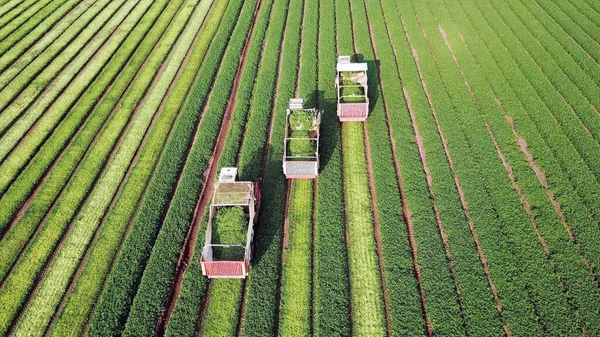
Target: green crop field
x,y
466,204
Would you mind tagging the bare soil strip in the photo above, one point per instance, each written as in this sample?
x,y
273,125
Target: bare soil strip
x,y
206,192
40,276
461,194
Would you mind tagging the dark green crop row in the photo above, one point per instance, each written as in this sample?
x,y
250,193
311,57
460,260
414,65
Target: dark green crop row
x,y
565,256
331,288
436,280
263,285
517,309
44,19
117,297
570,169
479,314
552,310
558,85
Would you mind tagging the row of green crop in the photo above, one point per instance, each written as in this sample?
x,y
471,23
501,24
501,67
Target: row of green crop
x,y
263,286
296,301
221,317
88,286
590,28
575,168
442,301
564,253
22,90
587,43
541,24
148,120
516,307
16,30
55,222
544,286
565,94
33,215
8,5
22,9
158,277
331,294
479,314
48,109
77,150
570,201
587,10
31,15
36,42
579,73
113,308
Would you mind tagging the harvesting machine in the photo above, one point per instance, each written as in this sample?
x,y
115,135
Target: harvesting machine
x,y
301,143
351,85
233,213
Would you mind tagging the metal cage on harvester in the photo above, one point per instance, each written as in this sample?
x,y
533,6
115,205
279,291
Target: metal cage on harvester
x,y
351,85
301,143
230,259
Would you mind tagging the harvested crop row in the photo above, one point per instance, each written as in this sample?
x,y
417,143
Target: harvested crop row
x,y
122,284
331,295
22,90
475,294
141,129
79,303
39,249
37,41
563,251
368,317
545,292
296,304
14,31
78,148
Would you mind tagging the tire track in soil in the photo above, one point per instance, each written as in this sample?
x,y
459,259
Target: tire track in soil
x,y
47,86
159,111
207,188
92,59
50,260
460,191
71,176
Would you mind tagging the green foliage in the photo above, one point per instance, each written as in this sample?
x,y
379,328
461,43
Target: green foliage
x,y
302,120
230,225
301,144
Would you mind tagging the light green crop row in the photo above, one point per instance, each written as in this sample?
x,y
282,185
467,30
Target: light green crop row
x,y
51,288
42,245
50,106
20,90
24,8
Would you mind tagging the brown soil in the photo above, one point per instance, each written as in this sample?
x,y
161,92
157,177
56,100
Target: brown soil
x,y
461,194
206,192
